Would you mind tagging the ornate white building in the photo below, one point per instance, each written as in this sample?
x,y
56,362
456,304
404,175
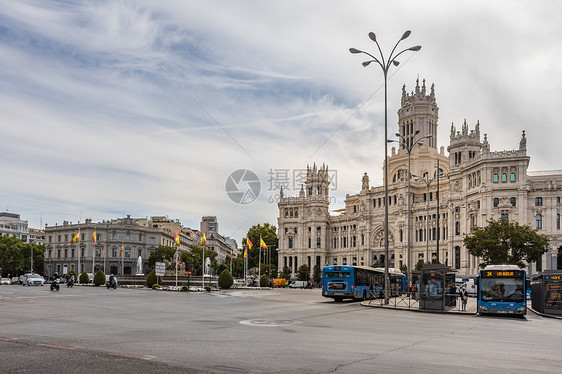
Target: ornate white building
x,y
476,185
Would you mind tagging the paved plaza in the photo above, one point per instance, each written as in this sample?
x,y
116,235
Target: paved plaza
x,y
95,330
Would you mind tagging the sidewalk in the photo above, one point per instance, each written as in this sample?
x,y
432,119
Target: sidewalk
x,y
405,302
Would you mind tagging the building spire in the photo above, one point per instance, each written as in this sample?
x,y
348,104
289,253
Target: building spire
x,y
523,142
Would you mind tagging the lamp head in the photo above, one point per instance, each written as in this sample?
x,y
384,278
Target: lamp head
x,y
405,35
354,50
372,36
415,49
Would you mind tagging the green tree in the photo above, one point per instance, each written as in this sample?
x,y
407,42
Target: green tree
x,y
151,279
99,278
286,273
193,259
160,254
238,265
505,242
84,278
264,281
225,279
269,235
11,256
303,273
317,274
224,266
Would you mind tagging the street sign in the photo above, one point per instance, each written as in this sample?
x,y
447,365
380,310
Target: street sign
x,y
188,273
159,269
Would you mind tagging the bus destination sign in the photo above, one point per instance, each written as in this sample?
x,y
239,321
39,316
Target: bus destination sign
x,y
501,274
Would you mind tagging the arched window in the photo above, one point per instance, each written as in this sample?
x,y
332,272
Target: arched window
x,y
495,178
539,221
513,201
496,202
538,201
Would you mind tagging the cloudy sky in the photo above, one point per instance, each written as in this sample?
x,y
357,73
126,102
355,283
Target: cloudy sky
x,y
145,108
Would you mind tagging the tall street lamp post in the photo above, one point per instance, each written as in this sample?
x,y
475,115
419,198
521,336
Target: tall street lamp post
x,y
427,181
409,145
385,66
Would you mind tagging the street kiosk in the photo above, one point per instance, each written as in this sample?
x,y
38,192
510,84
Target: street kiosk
x,y
546,292
437,287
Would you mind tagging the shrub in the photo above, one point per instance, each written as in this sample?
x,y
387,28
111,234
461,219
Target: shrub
x,y
155,286
84,278
185,288
225,279
151,279
208,288
99,278
264,281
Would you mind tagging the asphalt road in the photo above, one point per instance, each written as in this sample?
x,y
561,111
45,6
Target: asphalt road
x,y
95,330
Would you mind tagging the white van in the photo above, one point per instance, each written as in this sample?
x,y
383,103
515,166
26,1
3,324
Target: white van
x,y
297,284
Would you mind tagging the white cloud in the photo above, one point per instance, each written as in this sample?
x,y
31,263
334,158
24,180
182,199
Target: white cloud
x,y
93,126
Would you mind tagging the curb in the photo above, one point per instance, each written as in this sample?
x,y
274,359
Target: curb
x,y
543,314
417,310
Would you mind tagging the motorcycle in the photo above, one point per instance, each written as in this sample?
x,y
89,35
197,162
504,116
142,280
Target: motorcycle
x,y
111,283
70,282
55,285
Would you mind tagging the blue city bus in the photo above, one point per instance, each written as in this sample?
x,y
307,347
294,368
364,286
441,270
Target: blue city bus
x,y
502,290
359,282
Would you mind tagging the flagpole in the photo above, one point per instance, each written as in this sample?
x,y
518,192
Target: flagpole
x,y
177,259
259,264
94,252
78,249
122,259
203,266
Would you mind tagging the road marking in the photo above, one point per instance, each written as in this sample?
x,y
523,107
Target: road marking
x,y
57,346
270,322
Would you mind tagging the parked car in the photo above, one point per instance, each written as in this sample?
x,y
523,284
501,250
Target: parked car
x,y
15,280
33,280
5,281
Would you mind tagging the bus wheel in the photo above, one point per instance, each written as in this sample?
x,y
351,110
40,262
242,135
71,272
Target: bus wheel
x,y
338,299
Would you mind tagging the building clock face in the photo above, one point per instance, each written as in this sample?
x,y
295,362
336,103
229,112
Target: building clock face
x,y
408,110
432,109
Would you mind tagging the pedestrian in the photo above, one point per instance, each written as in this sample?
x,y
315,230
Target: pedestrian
x,y
464,299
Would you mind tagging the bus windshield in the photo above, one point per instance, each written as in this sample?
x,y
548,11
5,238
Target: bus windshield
x,y
337,274
502,289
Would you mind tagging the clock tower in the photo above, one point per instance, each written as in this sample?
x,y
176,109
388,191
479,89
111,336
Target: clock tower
x,y
419,112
